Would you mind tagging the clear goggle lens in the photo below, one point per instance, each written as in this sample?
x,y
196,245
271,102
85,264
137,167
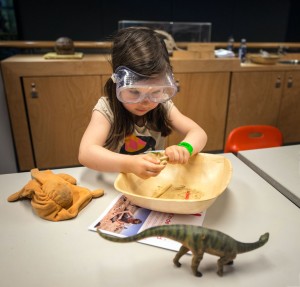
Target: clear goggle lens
x,y
138,94
132,87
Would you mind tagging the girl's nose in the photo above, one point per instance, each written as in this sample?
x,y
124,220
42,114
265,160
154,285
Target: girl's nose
x,y
146,100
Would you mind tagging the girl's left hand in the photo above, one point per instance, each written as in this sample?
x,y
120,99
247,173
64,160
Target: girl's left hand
x,y
177,154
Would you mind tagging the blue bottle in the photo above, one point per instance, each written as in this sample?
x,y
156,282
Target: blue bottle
x,y
243,51
230,44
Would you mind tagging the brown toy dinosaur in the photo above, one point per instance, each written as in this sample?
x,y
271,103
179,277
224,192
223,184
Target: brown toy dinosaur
x,y
55,197
198,240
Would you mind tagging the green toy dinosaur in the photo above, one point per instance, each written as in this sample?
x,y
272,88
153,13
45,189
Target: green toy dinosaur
x,y
198,240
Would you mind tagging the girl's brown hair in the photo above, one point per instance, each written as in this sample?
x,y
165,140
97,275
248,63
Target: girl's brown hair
x,y
143,51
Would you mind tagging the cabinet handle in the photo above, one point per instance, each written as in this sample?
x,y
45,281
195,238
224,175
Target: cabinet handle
x,y
290,82
278,82
33,93
177,85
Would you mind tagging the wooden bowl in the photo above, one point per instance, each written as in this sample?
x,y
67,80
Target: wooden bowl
x,y
191,188
270,59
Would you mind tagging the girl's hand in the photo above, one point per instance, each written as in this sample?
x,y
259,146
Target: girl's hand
x,y
145,166
177,154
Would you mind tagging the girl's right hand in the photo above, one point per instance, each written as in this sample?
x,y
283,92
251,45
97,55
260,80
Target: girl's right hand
x,y
145,166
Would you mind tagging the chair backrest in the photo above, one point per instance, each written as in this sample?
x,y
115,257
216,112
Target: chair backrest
x,y
253,137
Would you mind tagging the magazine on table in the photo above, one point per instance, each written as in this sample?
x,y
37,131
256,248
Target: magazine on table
x,y
123,219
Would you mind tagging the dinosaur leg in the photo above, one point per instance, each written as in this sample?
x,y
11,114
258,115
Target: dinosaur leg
x,y
195,264
183,250
223,261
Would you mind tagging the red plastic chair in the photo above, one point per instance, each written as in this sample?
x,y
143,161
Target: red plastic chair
x,y
253,137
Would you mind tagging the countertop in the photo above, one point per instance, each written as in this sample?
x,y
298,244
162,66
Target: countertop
x,y
98,63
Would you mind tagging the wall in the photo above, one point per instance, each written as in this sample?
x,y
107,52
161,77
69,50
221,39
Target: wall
x,y
96,20
293,34
7,155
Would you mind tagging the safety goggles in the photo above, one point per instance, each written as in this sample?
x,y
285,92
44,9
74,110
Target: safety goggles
x,y
132,88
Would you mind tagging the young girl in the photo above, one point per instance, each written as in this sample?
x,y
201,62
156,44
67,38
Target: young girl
x,y
137,113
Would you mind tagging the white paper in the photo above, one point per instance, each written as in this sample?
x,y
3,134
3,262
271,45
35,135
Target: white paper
x,y
122,219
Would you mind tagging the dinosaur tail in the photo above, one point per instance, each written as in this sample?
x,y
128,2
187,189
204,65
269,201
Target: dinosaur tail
x,y
155,231
246,247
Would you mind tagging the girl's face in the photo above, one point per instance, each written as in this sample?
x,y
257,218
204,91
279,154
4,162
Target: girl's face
x,y
142,108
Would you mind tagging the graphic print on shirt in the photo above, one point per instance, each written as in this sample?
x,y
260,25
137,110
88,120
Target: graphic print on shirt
x,y
137,144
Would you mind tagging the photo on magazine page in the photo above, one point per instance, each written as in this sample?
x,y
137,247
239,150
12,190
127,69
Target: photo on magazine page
x,y
123,218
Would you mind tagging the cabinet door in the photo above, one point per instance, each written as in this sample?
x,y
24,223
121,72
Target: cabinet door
x,y
289,116
59,110
203,97
254,99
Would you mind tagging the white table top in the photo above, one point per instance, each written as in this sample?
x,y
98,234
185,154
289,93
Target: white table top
x,y
280,166
36,252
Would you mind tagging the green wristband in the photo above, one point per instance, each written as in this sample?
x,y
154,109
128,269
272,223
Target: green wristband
x,y
187,146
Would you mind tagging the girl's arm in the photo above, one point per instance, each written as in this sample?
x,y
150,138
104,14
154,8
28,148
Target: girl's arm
x,y
93,155
192,133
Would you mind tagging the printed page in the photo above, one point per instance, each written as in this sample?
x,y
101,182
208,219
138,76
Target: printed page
x,y
123,219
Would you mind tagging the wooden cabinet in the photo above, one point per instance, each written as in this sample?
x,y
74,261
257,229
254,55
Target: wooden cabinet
x,y
50,104
254,98
203,97
271,98
289,113
59,109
